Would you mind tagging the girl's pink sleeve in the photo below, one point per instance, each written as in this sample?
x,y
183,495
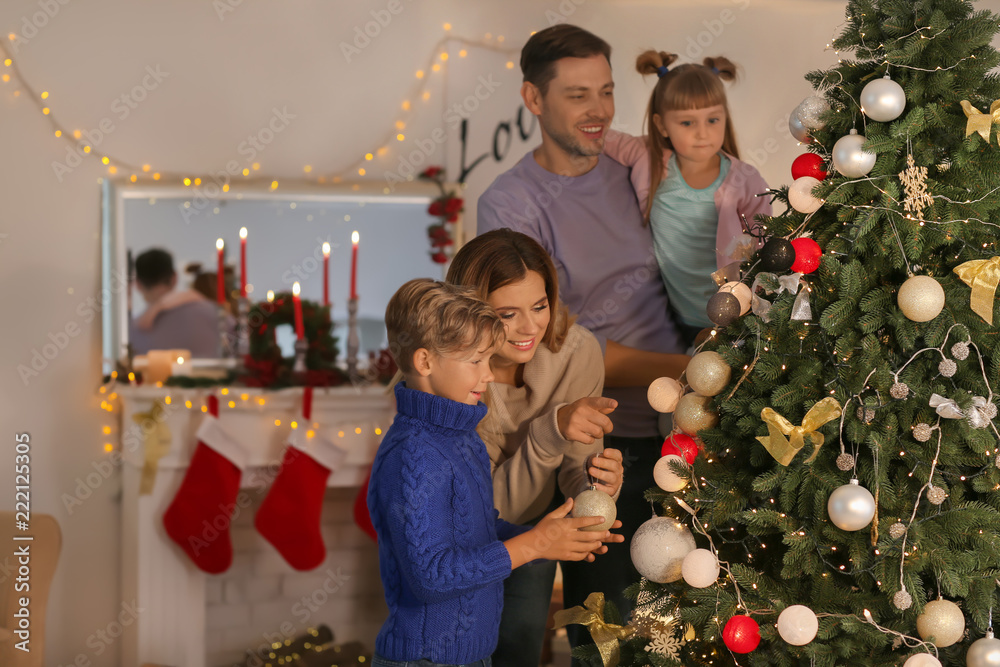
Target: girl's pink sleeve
x,y
625,149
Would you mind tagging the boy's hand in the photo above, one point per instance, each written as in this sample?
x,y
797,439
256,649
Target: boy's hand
x,y
606,470
558,537
585,420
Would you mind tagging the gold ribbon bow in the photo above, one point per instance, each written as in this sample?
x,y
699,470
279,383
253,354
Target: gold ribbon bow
x,y
785,440
605,635
983,276
981,122
157,443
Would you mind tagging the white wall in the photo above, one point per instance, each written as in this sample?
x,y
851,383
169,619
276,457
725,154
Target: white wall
x,y
225,73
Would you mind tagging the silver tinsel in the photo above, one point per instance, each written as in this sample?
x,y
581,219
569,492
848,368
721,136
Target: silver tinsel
x,y
936,495
947,368
897,530
922,432
845,462
902,600
899,390
960,351
866,414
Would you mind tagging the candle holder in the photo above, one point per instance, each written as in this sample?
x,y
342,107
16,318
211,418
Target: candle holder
x,y
301,347
225,335
353,342
242,327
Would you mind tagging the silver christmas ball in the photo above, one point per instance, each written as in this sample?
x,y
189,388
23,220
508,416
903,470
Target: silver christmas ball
x,y
663,394
922,432
595,503
800,195
922,660
902,600
694,413
897,530
942,623
883,99
984,652
947,368
960,351
851,506
849,159
708,373
809,111
899,390
845,462
798,130
658,549
921,298
936,495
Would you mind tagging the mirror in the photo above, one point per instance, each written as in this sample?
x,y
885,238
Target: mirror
x,y
286,229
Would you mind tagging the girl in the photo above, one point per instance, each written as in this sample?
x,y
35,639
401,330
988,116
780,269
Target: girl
x,y
689,180
546,422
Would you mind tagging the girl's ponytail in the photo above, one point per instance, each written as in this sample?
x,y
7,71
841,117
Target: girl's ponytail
x,y
724,67
650,62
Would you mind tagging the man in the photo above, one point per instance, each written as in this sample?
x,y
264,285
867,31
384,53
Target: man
x,y
580,205
172,320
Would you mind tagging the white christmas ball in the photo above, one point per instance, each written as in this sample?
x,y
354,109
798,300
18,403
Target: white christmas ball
x,y
798,130
921,298
658,549
849,159
591,502
984,652
700,568
800,195
798,625
922,660
941,623
883,99
851,506
809,111
708,373
742,292
663,394
664,475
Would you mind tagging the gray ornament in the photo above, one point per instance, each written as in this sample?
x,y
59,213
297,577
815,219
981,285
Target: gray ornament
x,y
960,351
936,495
902,600
845,462
922,432
947,368
810,110
723,309
897,530
899,390
798,130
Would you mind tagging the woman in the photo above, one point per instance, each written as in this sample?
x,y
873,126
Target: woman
x,y
546,419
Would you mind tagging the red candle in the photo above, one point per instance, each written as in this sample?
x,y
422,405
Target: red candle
x,y
300,331
355,237
326,274
243,262
220,275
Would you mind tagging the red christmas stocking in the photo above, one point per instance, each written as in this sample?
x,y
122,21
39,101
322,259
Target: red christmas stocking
x,y
198,518
289,518
361,515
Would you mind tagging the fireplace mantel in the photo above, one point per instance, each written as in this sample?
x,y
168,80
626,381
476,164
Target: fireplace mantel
x,y
156,574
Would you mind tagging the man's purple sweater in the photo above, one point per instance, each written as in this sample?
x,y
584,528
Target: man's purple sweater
x,y
608,276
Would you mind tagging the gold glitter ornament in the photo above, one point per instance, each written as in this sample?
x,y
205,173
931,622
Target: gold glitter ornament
x,y
845,462
922,432
592,502
694,413
708,373
947,368
936,495
921,298
897,530
941,623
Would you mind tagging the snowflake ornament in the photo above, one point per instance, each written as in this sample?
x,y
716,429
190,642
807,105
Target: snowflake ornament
x,y
914,180
666,642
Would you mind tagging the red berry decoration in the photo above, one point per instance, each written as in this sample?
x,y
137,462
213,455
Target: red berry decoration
x,y
682,445
741,634
439,258
807,254
808,164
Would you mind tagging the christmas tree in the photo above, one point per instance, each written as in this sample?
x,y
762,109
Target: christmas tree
x,y
870,354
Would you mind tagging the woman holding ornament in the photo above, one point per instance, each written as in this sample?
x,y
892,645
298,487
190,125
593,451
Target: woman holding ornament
x,y
546,419
690,181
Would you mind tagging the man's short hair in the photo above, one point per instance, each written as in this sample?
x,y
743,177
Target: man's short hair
x,y
441,318
545,47
154,267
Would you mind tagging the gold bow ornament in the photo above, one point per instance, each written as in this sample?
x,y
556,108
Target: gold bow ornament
x,y
153,425
784,440
983,276
981,122
605,635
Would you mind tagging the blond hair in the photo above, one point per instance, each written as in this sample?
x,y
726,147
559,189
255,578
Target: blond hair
x,y
685,87
441,318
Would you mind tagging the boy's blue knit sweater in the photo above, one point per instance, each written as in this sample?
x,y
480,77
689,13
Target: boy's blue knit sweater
x,y
440,546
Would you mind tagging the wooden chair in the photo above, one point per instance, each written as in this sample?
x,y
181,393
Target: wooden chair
x,y
43,555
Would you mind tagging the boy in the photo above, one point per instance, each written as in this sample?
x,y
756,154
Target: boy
x,y
443,551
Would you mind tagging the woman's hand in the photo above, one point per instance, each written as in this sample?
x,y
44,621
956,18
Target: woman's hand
x,y
607,471
585,420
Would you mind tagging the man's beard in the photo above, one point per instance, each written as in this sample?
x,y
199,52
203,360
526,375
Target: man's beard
x,y
571,145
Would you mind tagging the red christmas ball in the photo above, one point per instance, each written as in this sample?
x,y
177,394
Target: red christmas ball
x,y
741,634
808,164
682,445
807,254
